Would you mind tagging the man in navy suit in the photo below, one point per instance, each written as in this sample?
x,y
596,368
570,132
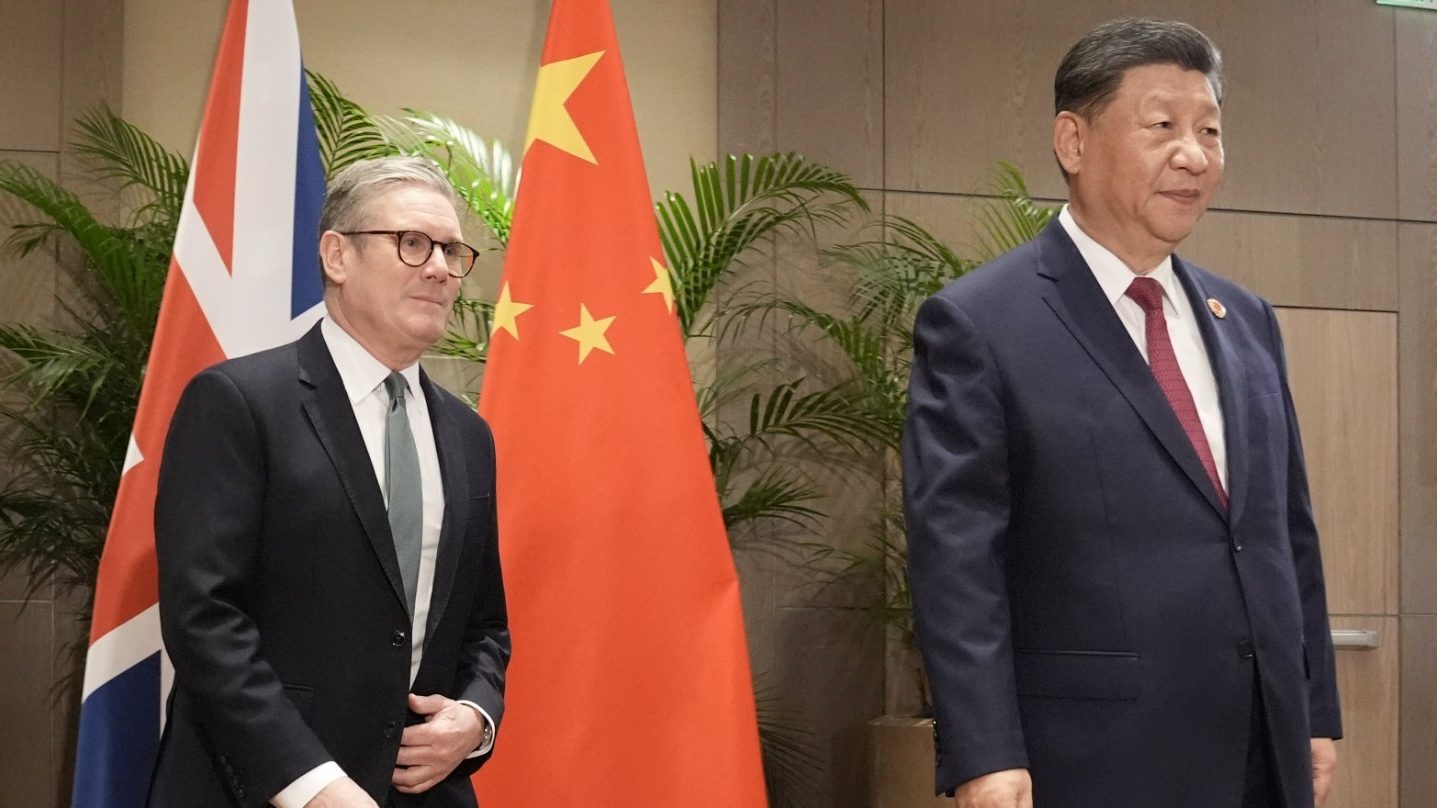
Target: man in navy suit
x,y
1115,572
330,590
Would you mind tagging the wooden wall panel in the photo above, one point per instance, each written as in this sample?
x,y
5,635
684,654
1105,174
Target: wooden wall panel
x,y
27,286
971,83
1416,115
839,120
747,73
27,776
1342,366
1419,712
30,75
1301,260
1309,113
1417,341
1368,682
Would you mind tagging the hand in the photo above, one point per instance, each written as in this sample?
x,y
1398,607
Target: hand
x,y
342,793
1011,788
1324,768
428,752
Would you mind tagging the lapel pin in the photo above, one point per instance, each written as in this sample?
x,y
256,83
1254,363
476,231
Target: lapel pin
x,y
1217,308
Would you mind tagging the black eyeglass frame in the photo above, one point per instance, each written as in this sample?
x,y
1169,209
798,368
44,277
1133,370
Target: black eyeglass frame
x,y
433,242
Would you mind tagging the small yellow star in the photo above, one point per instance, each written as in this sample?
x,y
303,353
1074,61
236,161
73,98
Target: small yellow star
x,y
506,313
549,120
662,285
589,333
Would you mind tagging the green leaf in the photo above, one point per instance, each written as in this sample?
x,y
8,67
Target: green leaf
x,y
736,206
347,132
483,172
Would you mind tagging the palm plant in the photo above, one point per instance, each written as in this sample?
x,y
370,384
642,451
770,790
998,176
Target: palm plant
x,y
888,277
76,384
741,207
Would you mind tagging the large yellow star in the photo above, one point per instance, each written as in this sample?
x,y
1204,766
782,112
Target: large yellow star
x,y
506,314
589,333
662,285
549,120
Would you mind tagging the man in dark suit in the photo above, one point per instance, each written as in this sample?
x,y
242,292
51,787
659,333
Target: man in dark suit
x,y
1115,572
330,591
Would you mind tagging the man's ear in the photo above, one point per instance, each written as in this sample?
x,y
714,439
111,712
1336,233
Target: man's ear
x,y
1069,134
331,256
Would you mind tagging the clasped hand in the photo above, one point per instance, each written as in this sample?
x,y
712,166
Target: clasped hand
x,y
428,752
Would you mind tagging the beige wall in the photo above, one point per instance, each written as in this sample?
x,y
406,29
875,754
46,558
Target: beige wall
x,y
56,61
472,61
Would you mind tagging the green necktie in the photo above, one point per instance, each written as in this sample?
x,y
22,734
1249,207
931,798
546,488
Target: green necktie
x,y
402,485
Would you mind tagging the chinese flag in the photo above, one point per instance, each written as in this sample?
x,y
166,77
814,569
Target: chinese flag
x,y
630,682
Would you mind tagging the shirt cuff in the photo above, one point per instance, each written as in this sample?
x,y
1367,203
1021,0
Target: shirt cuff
x,y
484,746
301,791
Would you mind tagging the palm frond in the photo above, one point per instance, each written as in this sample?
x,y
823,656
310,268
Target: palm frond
x,y
879,566
483,173
347,132
1013,218
128,264
736,206
468,334
774,495
119,151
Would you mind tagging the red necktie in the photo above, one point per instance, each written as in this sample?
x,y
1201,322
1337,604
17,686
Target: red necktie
x,y
1164,363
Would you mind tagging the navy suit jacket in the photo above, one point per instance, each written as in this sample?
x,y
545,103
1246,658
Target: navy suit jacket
x,y
281,602
1085,606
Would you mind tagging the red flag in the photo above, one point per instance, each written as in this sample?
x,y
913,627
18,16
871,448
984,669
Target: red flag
x,y
630,682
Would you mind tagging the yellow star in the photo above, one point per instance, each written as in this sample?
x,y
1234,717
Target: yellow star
x,y
506,314
549,120
589,333
662,285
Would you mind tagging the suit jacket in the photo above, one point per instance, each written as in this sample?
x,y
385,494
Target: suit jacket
x,y
1085,606
281,602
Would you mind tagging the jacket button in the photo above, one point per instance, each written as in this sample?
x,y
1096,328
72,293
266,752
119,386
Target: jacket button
x,y
397,639
1245,649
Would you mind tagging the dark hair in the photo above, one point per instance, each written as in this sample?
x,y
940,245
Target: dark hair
x,y
1094,67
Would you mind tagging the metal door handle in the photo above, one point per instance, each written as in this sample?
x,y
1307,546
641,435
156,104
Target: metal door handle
x,y
1359,638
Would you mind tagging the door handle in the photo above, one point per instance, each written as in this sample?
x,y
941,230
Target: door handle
x,y
1361,639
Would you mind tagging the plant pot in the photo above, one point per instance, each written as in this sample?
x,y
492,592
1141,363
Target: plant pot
x,y
901,763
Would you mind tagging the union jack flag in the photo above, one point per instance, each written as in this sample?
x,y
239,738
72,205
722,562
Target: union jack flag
x,y
244,277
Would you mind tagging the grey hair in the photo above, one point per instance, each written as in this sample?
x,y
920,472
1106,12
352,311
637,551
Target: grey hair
x,y
357,184
1091,72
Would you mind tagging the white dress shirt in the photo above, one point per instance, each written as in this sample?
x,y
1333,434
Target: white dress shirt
x,y
1115,277
363,377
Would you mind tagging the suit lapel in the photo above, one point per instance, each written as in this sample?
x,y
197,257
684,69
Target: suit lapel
x,y
1079,302
449,444
1231,386
327,406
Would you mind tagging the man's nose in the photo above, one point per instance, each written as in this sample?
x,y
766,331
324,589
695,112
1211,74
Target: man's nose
x,y
436,265
1190,155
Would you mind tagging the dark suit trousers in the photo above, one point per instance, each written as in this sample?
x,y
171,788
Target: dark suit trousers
x,y
1261,789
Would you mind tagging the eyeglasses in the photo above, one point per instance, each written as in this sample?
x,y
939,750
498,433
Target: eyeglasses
x,y
415,247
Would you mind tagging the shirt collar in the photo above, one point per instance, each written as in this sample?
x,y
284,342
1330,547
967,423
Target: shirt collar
x,y
1112,274
361,373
